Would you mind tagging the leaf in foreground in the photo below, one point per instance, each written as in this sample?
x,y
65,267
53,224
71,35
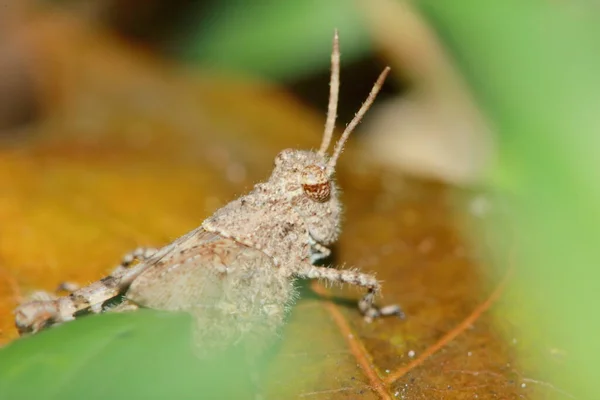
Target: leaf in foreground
x,y
146,354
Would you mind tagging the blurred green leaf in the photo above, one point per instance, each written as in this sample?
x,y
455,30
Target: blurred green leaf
x,y
278,39
534,67
112,356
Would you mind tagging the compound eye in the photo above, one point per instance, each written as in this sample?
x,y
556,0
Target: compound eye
x,y
315,183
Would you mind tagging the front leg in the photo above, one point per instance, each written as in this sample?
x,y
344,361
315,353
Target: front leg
x,y
32,316
366,304
318,252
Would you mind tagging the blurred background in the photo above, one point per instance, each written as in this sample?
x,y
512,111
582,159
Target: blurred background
x,y
288,44
498,98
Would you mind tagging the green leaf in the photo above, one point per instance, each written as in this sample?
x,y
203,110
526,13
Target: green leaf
x,y
146,354
534,66
278,39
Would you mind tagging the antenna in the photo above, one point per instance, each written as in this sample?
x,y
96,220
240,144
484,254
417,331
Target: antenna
x,y
334,90
339,146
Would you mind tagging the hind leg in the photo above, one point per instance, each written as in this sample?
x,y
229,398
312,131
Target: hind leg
x,y
46,309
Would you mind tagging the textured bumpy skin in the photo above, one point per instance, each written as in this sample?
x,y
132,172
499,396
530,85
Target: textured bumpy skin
x,y
233,291
235,273
278,217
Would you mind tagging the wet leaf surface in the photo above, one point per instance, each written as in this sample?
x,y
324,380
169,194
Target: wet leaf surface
x,y
134,152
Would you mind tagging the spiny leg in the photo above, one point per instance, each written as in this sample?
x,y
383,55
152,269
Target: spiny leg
x,y
366,304
46,310
141,254
123,273
44,296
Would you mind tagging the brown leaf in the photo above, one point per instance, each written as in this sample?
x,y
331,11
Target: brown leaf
x,y
135,152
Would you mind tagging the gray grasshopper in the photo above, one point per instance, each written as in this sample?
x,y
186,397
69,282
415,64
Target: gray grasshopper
x,y
235,273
